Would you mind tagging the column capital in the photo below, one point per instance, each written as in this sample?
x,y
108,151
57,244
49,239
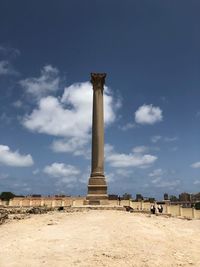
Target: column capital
x,y
98,80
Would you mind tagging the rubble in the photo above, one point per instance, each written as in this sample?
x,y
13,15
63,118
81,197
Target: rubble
x,y
3,216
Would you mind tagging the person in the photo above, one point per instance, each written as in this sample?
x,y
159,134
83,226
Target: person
x,y
153,209
161,209
119,200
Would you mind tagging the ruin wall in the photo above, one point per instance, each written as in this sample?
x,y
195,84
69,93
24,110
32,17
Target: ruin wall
x,y
174,210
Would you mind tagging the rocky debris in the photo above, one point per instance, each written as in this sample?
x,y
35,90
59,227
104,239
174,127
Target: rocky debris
x,y
20,213
52,222
88,208
18,216
39,210
71,210
25,210
128,208
3,216
14,210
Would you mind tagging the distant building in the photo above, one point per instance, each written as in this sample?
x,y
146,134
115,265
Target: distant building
x,y
166,196
185,197
195,197
127,196
113,197
151,199
173,198
139,197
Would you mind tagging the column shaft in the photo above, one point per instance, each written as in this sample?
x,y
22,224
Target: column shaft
x,y
97,134
97,188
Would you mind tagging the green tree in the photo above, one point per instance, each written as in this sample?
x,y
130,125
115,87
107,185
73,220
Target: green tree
x,y
7,195
151,199
197,206
173,198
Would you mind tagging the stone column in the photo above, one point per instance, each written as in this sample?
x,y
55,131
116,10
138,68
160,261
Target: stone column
x,y
97,188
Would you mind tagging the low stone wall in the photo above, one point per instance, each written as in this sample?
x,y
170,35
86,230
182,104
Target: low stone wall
x,y
51,202
140,205
190,213
55,202
4,203
43,201
174,210
116,203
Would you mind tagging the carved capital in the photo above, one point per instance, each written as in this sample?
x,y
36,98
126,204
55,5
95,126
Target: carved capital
x,y
98,80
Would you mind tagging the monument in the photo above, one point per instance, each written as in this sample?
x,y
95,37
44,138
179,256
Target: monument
x,y
97,187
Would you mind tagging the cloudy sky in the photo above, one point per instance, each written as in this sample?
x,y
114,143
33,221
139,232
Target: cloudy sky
x,y
150,52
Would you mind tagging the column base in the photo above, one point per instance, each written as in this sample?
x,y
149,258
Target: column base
x,y
96,202
97,191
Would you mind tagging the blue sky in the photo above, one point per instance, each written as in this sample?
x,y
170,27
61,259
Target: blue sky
x,y
150,52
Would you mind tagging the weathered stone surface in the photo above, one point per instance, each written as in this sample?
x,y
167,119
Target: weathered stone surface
x,y
97,187
18,216
3,216
20,213
39,210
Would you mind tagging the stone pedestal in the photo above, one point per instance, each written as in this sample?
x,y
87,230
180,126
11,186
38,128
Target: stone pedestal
x,y
97,187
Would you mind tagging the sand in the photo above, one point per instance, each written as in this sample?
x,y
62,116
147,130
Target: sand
x,y
99,238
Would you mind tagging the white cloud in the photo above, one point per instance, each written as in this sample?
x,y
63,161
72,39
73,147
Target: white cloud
x,y
3,175
156,172
148,114
140,149
110,177
47,83
75,145
17,104
84,177
36,171
128,126
123,172
5,118
165,183
174,149
160,182
170,139
196,182
156,180
198,114
71,116
128,160
9,158
155,138
9,52
79,95
196,165
6,68
67,173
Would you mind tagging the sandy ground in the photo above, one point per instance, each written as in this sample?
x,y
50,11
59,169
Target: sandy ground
x,y
99,238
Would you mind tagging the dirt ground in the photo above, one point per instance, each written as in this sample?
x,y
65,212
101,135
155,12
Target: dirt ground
x,y
99,238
